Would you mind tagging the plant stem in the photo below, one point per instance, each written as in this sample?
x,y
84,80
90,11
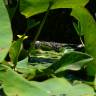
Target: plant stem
x,y
41,26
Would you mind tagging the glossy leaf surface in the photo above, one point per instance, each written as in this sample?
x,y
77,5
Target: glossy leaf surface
x,y
61,87
71,60
88,27
5,31
17,85
33,7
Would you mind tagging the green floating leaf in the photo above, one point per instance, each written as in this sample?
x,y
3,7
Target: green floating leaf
x,y
71,60
18,86
82,90
5,31
27,70
57,86
61,87
23,63
15,85
33,7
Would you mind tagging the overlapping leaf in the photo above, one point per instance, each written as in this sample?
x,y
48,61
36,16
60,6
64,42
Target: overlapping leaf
x,y
81,90
57,86
15,85
32,7
54,86
5,31
88,27
61,87
71,60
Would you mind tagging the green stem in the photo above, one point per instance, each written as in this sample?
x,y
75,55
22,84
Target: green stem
x,y
41,26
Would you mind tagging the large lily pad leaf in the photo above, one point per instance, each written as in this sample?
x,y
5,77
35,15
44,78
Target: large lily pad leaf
x,y
5,31
57,86
15,85
61,87
32,7
71,60
88,28
81,90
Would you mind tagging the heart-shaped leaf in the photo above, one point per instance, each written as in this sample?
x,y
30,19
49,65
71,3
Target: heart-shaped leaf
x,y
32,7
